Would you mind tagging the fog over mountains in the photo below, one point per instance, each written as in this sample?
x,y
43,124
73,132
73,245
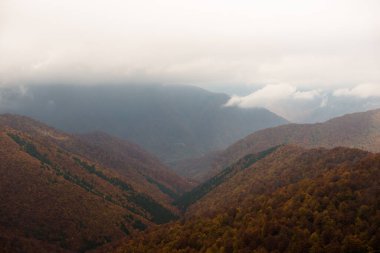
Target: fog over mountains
x,y
177,122
308,104
172,122
95,191
356,130
198,126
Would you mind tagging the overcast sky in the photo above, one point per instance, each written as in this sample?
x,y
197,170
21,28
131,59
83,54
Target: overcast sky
x,y
296,48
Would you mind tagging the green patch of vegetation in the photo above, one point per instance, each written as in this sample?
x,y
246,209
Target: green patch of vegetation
x,y
134,210
124,229
91,244
29,148
78,181
198,192
160,214
92,169
163,188
137,224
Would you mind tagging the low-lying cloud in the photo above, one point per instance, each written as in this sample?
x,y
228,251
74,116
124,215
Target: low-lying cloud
x,y
272,93
300,56
361,91
283,99
200,42
312,105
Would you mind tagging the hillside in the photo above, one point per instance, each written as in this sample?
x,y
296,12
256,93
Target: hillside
x,y
172,122
292,200
63,192
357,130
131,161
204,188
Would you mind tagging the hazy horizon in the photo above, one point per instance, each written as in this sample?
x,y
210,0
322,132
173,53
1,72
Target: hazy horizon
x,y
295,58
190,126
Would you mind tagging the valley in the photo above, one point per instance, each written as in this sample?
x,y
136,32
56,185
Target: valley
x,y
358,130
197,126
293,200
76,192
292,188
174,123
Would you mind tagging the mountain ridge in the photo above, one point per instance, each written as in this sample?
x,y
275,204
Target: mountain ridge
x,y
171,122
59,191
293,200
357,130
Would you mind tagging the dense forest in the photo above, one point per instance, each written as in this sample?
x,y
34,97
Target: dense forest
x,y
62,192
334,209
147,126
97,193
357,130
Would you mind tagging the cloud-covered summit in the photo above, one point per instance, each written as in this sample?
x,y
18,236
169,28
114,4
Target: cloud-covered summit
x,y
296,58
312,105
360,91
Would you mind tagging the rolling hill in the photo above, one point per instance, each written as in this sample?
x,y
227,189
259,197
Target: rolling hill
x,y
62,192
358,130
289,200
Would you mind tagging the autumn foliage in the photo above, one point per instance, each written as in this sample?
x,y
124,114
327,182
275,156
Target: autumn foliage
x,y
332,207
61,192
70,193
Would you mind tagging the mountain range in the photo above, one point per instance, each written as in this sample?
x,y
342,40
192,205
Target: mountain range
x,y
171,122
291,188
358,130
288,199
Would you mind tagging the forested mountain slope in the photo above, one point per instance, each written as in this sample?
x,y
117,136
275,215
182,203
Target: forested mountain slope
x,y
357,130
64,192
293,200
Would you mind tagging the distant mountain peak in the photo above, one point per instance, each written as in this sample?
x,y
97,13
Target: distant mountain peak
x,y
157,117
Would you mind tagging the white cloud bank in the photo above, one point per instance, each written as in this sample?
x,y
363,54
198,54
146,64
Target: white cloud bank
x,y
304,50
270,94
361,91
300,105
283,99
202,42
